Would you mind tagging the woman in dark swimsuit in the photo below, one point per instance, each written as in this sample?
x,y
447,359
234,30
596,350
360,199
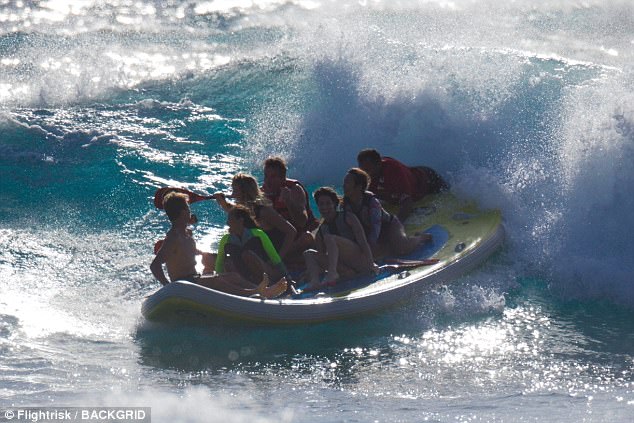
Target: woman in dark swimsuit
x,y
341,243
386,234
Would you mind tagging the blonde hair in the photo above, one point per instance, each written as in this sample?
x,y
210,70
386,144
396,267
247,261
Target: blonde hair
x,y
251,193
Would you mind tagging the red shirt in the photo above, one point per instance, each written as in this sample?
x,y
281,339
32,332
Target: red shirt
x,y
396,182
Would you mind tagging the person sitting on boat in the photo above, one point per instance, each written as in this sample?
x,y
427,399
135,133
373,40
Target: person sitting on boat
x,y
178,252
342,247
249,249
289,197
384,231
398,184
246,192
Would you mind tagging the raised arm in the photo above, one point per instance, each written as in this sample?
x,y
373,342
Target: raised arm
x,y
221,198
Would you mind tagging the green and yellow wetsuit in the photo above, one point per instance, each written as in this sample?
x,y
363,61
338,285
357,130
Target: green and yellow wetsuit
x,y
255,240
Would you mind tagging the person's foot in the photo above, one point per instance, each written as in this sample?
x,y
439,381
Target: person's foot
x,y
275,290
264,283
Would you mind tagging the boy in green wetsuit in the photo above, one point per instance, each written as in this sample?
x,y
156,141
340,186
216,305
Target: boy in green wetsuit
x,y
250,251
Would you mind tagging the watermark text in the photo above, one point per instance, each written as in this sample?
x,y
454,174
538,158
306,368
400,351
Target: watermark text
x,y
76,414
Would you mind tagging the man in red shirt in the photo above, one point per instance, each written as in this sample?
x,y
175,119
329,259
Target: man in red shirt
x,y
396,183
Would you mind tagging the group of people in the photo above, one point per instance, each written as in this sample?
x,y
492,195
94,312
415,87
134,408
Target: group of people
x,y
272,228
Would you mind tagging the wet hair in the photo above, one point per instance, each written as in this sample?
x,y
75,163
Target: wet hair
x,y
174,203
241,212
277,163
250,189
360,177
370,155
328,192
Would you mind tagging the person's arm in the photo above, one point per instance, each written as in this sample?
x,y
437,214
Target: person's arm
x,y
220,258
295,199
361,240
221,199
161,257
274,219
270,250
319,239
375,211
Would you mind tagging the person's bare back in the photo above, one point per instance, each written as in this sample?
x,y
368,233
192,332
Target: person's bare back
x,y
180,254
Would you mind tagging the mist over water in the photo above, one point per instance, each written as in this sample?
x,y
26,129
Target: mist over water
x,y
526,107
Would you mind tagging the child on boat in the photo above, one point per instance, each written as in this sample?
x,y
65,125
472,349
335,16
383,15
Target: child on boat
x,y
247,249
246,192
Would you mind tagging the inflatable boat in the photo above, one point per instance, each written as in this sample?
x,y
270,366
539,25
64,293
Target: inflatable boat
x,y
463,237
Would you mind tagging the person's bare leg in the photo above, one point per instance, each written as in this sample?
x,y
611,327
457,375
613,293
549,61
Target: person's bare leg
x,y
332,251
351,256
312,267
234,283
255,266
304,241
295,257
231,283
229,265
238,280
399,242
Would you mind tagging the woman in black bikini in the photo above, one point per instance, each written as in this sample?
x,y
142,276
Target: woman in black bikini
x,y
341,244
385,233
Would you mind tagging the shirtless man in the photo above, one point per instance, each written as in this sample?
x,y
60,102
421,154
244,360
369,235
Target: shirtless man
x,y
395,183
178,253
289,197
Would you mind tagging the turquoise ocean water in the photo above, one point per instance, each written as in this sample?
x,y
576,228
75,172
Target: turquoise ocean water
x,y
525,106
